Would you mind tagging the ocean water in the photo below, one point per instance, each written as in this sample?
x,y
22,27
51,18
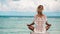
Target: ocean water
x,y
17,25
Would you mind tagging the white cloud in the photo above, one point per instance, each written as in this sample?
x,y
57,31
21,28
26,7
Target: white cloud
x,y
50,5
53,6
0,6
30,5
18,5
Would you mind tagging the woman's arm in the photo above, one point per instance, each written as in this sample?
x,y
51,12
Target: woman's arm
x,y
30,26
48,26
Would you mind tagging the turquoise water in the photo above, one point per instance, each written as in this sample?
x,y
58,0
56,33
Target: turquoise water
x,y
17,25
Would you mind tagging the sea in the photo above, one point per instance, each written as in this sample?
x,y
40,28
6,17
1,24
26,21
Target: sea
x,y
18,24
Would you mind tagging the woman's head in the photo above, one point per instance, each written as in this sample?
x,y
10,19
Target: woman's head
x,y
40,8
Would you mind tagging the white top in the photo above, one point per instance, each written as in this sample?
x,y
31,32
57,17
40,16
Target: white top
x,y
40,24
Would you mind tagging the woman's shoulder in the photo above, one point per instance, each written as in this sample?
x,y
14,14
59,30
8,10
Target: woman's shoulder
x,y
45,16
35,16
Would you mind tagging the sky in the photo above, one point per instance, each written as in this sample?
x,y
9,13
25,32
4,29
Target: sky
x,y
28,5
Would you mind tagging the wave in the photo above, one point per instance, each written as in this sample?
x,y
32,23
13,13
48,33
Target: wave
x,y
27,16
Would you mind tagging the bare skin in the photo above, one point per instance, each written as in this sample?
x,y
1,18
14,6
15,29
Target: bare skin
x,y
39,14
30,26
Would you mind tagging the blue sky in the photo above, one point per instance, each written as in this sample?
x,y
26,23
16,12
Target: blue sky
x,y
28,7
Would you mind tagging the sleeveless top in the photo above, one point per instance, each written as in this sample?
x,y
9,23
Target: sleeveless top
x,y
40,24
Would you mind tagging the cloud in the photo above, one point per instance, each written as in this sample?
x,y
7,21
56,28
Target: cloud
x,y
22,5
54,6
50,5
29,5
16,0
0,6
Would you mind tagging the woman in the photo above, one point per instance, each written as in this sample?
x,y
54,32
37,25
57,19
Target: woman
x,y
40,20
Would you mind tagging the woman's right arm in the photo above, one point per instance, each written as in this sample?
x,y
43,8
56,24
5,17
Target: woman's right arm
x,y
30,26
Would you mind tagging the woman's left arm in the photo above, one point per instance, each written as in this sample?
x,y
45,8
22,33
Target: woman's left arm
x,y
48,26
